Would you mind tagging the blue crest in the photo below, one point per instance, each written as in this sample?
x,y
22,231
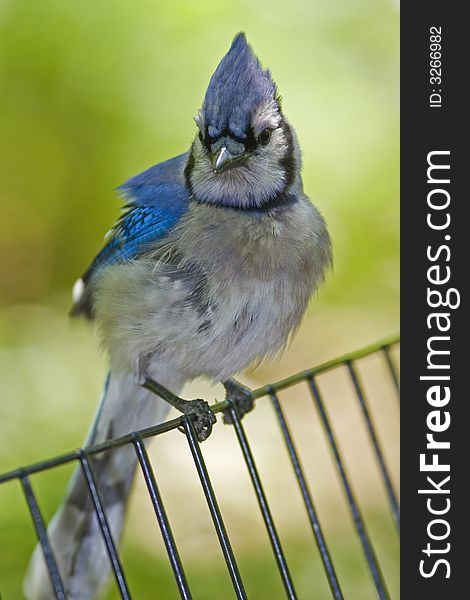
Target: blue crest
x,y
238,87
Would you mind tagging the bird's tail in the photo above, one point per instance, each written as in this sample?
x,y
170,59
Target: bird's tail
x,y
74,531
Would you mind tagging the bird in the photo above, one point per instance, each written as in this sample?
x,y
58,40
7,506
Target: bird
x,y
209,269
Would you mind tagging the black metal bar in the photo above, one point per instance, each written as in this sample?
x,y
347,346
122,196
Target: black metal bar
x,y
162,518
323,368
84,456
392,498
216,408
214,509
369,553
104,526
263,504
43,538
308,501
392,369
90,450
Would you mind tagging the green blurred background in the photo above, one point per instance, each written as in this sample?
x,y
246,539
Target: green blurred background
x,y
92,92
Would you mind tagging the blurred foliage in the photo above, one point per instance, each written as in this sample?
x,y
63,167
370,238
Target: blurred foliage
x,y
94,92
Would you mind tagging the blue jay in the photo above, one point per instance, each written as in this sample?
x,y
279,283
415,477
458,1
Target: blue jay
x,y
209,269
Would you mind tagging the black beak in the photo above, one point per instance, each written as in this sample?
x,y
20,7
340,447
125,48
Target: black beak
x,y
222,160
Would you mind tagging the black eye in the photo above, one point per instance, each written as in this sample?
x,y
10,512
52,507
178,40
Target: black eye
x,y
264,137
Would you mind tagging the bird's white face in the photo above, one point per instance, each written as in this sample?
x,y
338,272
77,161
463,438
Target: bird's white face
x,y
243,173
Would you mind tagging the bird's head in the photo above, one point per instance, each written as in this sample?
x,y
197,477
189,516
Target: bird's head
x,y
245,153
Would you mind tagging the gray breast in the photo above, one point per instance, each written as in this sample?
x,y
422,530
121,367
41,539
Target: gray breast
x,y
259,273
227,290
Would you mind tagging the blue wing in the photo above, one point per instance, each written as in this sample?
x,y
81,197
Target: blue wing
x,y
157,199
141,225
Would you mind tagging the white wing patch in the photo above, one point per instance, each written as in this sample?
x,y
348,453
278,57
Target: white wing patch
x,y
77,290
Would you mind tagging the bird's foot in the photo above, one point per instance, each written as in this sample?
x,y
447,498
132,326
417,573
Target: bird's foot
x,y
197,410
238,395
201,416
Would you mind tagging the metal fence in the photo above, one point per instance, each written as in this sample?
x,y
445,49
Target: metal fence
x,y
271,392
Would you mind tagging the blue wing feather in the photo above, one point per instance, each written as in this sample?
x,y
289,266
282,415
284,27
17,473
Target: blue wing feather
x,y
136,230
170,171
156,201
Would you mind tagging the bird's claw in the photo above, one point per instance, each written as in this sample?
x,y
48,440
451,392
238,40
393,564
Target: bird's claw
x,y
238,395
201,416
198,411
